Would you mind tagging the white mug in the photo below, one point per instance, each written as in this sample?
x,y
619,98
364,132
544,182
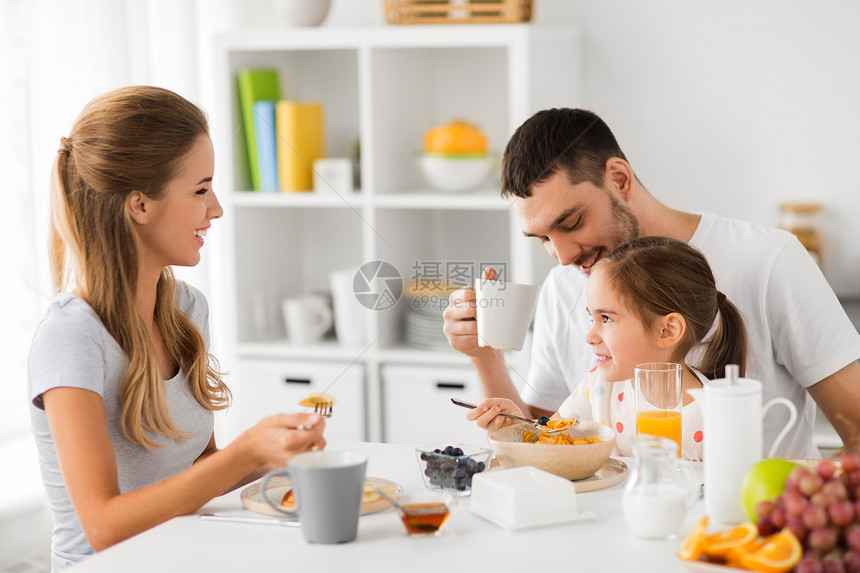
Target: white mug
x,y
307,318
350,318
504,311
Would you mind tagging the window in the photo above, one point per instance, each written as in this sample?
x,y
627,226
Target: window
x,y
19,302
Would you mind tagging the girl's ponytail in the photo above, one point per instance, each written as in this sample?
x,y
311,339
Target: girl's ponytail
x,y
728,344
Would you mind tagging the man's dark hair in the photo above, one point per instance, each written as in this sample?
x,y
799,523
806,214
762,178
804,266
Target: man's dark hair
x,y
575,141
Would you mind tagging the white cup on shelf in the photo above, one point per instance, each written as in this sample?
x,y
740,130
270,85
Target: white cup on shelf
x,y
307,318
350,317
333,175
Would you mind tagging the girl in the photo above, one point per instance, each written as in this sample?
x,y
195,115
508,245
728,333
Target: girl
x,y
651,300
122,386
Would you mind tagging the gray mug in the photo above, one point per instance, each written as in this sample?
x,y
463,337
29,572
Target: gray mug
x,y
328,487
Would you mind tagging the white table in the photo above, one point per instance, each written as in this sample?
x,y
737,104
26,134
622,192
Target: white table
x,y
469,543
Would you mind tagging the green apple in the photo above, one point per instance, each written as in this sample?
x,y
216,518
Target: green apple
x,y
765,480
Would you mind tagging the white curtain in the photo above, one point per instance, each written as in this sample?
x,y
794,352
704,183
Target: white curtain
x,y
17,305
56,55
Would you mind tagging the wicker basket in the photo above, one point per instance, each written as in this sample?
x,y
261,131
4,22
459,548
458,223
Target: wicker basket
x,y
457,11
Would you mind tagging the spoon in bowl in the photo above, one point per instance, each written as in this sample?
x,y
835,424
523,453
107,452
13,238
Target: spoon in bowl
x,y
534,423
389,499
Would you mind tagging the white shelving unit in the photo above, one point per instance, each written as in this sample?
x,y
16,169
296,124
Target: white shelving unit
x,y
383,87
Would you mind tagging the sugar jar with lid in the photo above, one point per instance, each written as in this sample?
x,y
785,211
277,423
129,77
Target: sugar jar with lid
x,y
803,219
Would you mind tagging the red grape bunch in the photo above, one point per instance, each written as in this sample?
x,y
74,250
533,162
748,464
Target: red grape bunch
x,y
821,507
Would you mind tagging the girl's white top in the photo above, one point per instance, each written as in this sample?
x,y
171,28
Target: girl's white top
x,y
613,404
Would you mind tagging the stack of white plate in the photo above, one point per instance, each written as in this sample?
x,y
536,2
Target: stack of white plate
x,y
423,323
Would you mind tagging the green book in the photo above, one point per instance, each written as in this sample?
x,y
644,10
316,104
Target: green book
x,y
255,85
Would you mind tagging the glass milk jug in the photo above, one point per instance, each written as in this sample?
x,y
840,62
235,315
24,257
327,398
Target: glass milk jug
x,y
659,490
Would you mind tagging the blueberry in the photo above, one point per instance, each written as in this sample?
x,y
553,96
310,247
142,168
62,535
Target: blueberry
x,y
456,452
543,420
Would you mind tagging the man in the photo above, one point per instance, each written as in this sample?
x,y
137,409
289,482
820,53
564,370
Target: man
x,y
574,191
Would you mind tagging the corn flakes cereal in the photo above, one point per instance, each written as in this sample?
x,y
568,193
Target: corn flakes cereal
x,y
557,424
558,439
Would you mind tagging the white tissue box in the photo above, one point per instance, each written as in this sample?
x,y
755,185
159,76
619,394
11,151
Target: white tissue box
x,y
333,175
524,497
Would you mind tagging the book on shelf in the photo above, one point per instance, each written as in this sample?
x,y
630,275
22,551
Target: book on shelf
x,y
301,141
267,154
255,85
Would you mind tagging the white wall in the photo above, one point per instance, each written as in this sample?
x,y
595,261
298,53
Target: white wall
x,y
733,107
729,106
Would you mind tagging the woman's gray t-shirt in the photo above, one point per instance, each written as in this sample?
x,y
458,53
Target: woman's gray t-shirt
x,y
71,348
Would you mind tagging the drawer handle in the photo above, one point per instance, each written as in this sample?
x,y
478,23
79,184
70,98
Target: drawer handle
x,y
451,385
297,380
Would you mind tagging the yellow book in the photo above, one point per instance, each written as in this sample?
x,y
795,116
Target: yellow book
x,y
300,142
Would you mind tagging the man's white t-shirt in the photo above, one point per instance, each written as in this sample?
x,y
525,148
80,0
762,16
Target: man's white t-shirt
x,y
798,331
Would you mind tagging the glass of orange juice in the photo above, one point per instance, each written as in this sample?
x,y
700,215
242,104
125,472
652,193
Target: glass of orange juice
x,y
658,400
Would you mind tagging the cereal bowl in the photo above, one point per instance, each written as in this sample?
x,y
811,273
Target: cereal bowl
x,y
451,467
568,461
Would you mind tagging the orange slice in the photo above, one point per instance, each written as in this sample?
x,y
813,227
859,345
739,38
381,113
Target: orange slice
x,y
720,543
736,555
779,554
694,544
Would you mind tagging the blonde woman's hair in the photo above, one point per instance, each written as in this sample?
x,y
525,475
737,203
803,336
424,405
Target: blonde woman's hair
x,y
130,139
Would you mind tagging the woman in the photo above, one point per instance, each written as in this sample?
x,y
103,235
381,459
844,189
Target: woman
x,y
122,385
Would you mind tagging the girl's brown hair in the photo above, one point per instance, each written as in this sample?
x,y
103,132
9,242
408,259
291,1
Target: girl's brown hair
x,y
130,139
657,276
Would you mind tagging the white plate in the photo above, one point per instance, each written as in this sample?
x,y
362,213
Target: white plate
x,y
710,567
252,498
610,473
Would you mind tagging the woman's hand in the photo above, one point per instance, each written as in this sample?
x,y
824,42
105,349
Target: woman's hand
x,y
486,414
273,441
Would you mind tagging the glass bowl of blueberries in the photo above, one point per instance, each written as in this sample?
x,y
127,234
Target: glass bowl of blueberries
x,y
451,467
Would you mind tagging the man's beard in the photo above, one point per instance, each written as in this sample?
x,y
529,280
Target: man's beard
x,y
624,227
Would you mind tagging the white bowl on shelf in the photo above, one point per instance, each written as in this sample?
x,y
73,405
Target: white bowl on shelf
x,y
303,12
455,172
